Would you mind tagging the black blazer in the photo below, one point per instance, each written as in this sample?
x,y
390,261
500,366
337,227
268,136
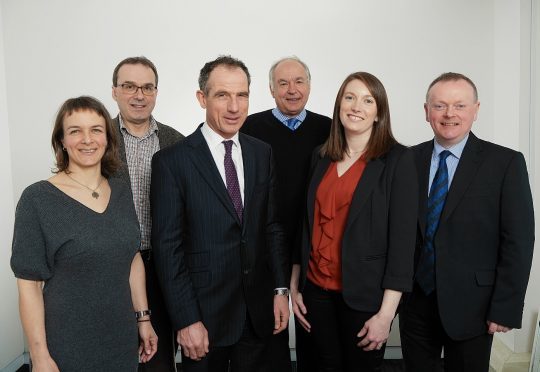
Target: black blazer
x,y
485,238
211,267
379,238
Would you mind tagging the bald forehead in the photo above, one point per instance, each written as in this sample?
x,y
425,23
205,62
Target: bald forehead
x,y
289,68
460,86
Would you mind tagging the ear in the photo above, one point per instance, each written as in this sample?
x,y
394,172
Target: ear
x,y
426,111
114,93
201,98
271,91
477,109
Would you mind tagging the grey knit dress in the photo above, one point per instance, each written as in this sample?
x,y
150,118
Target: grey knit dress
x,y
84,259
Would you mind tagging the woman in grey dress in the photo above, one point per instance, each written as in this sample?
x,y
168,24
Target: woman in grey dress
x,y
75,254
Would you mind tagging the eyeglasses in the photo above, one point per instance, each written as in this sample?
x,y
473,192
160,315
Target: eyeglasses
x,y
128,88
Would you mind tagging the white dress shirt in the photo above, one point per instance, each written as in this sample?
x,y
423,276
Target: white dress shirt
x,y
217,149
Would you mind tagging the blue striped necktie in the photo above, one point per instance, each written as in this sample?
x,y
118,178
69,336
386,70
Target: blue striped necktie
x,y
425,274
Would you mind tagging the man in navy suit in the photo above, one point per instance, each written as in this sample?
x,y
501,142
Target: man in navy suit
x,y
218,246
475,239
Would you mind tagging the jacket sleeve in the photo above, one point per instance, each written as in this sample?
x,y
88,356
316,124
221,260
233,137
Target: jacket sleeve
x,y
402,221
516,246
168,245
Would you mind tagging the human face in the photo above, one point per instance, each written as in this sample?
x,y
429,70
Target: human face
x,y
291,87
227,100
135,108
451,110
85,139
358,110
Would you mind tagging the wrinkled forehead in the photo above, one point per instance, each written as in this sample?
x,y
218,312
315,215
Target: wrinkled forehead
x,y
290,69
227,78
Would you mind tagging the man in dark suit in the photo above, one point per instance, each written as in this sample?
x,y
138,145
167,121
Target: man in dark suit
x,y
293,132
135,81
218,244
475,238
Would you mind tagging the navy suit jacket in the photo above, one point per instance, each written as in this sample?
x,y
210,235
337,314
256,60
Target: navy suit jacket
x,y
484,242
211,267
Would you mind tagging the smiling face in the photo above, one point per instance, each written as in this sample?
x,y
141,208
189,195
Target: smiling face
x,y
227,100
291,87
85,139
451,109
135,108
358,110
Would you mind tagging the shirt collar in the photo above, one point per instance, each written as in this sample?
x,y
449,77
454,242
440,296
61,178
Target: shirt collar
x,y
153,125
283,118
214,139
455,150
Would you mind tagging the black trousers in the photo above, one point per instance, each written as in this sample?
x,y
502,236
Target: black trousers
x,y
306,360
279,353
423,338
334,328
246,355
164,359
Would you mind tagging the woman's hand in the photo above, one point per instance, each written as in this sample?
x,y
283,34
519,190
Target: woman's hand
x,y
44,364
299,309
297,300
148,341
375,332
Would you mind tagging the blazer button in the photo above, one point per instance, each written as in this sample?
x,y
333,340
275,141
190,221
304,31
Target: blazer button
x,y
246,271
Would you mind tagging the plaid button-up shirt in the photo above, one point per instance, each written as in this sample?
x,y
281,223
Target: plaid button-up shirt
x,y
139,152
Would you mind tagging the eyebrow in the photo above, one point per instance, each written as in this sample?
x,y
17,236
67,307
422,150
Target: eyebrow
x,y
134,83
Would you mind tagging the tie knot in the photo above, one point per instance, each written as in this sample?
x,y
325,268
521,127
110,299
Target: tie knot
x,y
291,123
443,155
228,146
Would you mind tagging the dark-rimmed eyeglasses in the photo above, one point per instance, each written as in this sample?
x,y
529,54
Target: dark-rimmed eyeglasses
x,y
128,88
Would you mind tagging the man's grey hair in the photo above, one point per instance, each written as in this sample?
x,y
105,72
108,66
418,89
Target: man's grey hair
x,y
291,58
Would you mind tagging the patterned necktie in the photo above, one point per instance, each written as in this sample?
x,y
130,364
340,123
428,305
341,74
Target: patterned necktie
x,y
425,274
232,180
292,123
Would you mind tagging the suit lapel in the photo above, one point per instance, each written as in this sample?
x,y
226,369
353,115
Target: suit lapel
x,y
423,165
248,159
318,174
470,160
205,165
362,193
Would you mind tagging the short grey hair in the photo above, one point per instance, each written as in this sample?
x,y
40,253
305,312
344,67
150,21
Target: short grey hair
x,y
290,58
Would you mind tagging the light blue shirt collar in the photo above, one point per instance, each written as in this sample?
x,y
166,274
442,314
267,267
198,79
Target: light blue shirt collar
x,y
283,118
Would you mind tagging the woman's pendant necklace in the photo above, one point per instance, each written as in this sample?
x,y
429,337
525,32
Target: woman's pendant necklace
x,y
95,194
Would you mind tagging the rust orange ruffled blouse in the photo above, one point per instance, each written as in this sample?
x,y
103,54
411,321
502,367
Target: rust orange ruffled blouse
x,y
332,201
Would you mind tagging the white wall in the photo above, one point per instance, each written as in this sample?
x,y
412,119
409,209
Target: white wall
x,y
11,338
58,49
524,337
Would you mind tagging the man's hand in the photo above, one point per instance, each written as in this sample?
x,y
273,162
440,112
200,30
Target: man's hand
x,y
494,327
194,340
281,313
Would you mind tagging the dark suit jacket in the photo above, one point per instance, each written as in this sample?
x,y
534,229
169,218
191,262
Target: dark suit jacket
x,y
379,237
485,238
166,137
212,268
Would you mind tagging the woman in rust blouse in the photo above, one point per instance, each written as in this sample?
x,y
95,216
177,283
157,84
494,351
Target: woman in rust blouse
x,y
356,257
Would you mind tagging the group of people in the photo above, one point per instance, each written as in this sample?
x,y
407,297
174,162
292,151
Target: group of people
x,y
144,241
